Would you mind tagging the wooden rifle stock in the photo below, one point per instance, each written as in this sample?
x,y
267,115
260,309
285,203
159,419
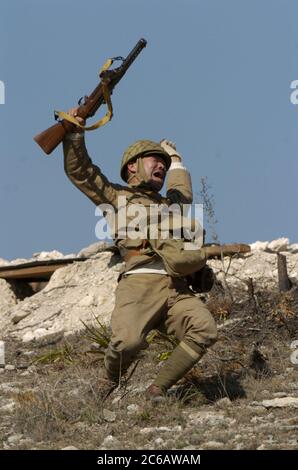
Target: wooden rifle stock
x,y
49,139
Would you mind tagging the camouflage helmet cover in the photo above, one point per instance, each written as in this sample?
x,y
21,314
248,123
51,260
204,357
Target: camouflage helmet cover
x,y
141,148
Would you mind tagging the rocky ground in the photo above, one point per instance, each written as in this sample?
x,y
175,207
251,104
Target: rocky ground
x,y
242,395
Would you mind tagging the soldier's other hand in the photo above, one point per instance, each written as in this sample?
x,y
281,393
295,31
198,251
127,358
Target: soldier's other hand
x,y
74,112
170,148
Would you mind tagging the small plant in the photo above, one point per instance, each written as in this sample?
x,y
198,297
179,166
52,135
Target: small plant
x,y
98,334
63,355
160,338
190,393
283,309
208,202
144,415
164,356
25,398
220,308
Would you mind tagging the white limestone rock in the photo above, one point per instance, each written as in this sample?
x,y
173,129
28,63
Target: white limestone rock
x,y
7,406
281,244
48,255
132,409
93,249
281,402
209,418
293,248
14,439
3,262
109,416
76,293
28,336
210,445
17,261
110,442
7,296
259,246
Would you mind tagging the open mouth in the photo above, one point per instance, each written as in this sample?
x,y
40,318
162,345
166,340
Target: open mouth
x,y
159,174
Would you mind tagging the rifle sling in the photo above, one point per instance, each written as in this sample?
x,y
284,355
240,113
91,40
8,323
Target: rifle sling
x,y
107,97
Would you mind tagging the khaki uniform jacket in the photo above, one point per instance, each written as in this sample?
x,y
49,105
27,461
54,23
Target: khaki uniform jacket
x,y
95,185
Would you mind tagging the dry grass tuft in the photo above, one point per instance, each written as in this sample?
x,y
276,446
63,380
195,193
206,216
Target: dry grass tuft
x,y
221,308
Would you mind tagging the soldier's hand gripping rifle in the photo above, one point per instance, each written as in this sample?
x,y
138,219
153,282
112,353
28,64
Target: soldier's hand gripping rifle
x,y
51,137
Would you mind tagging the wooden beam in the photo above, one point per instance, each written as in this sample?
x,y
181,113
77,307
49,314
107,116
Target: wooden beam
x,y
37,272
34,271
216,251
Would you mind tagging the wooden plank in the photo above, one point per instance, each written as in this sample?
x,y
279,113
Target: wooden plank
x,y
35,270
216,251
50,262
32,273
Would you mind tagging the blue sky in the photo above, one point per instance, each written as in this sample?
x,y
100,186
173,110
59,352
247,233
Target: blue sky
x,y
215,78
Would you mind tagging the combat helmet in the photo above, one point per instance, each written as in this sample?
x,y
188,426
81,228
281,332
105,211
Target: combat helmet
x,y
141,148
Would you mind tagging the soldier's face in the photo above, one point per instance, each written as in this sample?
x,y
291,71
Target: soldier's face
x,y
155,170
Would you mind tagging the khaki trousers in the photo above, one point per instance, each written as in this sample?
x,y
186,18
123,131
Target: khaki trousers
x,y
148,301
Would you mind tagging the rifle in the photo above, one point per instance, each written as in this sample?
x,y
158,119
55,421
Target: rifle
x,y
51,137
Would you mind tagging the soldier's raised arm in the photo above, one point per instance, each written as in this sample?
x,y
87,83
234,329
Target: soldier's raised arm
x,y
82,172
179,188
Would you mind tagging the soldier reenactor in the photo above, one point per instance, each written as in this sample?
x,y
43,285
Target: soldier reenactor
x,y
150,291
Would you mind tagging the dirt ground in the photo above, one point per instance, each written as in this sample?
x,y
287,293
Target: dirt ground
x,y
54,396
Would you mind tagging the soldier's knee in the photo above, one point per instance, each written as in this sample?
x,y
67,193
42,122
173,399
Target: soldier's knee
x,y
203,331
129,346
212,333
